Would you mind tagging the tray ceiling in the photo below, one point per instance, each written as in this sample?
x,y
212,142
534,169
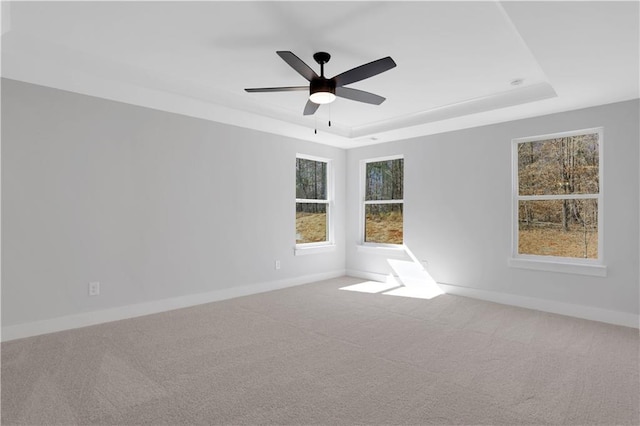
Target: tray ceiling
x,y
456,60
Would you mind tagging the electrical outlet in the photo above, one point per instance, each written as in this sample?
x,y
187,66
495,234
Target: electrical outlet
x,y
94,288
277,264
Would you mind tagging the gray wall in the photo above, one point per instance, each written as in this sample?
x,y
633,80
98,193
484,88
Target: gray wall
x,y
157,205
152,205
458,208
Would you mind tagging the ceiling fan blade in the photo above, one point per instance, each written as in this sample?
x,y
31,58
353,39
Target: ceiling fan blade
x,y
278,89
297,64
364,71
310,108
359,95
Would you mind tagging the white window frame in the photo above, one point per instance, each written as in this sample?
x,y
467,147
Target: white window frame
x,y
594,267
329,244
369,247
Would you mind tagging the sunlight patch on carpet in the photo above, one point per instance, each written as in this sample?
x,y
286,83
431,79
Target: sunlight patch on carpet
x,y
371,287
416,288
411,279
417,293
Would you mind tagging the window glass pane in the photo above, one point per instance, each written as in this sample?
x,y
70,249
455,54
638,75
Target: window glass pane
x,y
383,223
311,179
566,228
311,223
566,165
384,180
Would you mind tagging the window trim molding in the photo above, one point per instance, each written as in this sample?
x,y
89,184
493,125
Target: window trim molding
x,y
394,250
554,264
362,245
593,267
313,248
329,244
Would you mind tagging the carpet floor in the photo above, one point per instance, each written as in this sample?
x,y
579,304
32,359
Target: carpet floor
x,y
316,354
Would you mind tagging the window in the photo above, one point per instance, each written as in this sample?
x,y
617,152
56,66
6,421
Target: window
x,y
383,188
558,197
313,201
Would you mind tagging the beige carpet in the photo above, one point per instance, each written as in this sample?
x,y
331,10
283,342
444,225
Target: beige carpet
x,y
315,354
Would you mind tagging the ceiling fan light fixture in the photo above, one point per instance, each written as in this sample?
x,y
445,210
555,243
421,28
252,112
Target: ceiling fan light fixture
x,y
322,91
322,97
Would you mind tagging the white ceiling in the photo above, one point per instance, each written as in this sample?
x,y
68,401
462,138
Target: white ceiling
x,y
456,60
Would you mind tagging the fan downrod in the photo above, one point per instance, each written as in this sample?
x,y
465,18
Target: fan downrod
x,y
321,58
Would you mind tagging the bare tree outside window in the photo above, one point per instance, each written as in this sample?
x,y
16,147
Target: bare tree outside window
x,y
383,209
558,190
312,201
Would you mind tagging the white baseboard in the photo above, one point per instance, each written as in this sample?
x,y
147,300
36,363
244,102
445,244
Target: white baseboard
x,y
84,319
579,311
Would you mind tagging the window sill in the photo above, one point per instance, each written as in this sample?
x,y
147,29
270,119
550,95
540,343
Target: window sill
x,y
302,250
564,267
381,250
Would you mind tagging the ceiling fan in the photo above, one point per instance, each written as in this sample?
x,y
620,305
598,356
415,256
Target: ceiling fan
x,y
324,90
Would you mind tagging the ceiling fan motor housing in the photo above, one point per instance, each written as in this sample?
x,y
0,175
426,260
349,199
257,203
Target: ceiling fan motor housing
x,y
322,84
